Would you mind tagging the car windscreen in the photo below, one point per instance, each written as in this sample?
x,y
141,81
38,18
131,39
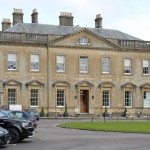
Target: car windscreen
x,y
1,115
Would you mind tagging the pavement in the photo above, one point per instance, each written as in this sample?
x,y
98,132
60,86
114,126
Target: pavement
x,y
50,137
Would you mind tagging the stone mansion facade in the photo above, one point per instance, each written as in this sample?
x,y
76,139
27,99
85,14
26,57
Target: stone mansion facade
x,y
86,69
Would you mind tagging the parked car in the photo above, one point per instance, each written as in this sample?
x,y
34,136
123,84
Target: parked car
x,y
4,136
18,129
8,113
34,113
26,115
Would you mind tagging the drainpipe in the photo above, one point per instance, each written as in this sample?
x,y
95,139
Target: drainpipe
x,y
47,80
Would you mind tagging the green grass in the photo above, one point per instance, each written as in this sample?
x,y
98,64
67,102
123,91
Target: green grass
x,y
139,127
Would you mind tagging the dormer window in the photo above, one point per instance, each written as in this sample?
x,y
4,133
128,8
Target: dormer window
x,y
83,41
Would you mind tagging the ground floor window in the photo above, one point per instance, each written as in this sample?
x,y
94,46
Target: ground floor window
x,y
11,96
60,98
128,99
106,98
34,97
146,99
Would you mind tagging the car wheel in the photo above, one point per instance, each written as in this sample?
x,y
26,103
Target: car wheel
x,y
15,135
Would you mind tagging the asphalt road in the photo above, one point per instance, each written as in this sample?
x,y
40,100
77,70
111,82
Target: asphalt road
x,y
49,137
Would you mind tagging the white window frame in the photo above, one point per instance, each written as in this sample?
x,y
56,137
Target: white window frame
x,y
83,41
34,97
34,62
106,65
128,98
12,96
146,99
84,64
60,97
60,63
146,66
106,98
11,61
127,66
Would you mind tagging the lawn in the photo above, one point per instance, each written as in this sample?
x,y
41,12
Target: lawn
x,y
138,127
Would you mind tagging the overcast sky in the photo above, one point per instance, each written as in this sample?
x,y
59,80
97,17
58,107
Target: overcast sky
x,y
129,16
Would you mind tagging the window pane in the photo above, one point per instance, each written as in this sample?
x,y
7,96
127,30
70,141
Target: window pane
x,y
11,96
12,61
34,97
146,99
127,66
83,64
83,41
60,98
145,67
128,98
34,62
105,65
106,98
60,63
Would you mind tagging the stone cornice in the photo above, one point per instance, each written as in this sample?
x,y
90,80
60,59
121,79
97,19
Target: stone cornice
x,y
12,43
33,44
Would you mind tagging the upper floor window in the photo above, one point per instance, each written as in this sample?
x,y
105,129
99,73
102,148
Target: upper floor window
x,y
12,61
60,63
127,66
83,64
145,67
106,65
34,62
83,41
128,99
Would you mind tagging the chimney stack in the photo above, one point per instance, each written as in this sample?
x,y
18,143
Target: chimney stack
x,y
66,19
6,24
98,21
34,16
17,16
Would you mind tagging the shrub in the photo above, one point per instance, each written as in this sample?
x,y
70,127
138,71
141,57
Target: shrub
x,y
105,113
66,114
42,113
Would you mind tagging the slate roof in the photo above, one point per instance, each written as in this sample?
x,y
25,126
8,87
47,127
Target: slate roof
x,y
65,30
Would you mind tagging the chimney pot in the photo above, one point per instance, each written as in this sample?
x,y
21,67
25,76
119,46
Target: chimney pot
x,y
6,24
34,16
66,19
98,21
17,16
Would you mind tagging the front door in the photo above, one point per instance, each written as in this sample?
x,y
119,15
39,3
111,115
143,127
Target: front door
x,y
84,101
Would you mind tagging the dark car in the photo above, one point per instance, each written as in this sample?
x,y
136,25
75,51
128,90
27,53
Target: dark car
x,y
34,113
4,136
8,113
18,129
26,115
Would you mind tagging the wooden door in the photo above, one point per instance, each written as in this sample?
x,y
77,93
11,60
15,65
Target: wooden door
x,y
84,101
